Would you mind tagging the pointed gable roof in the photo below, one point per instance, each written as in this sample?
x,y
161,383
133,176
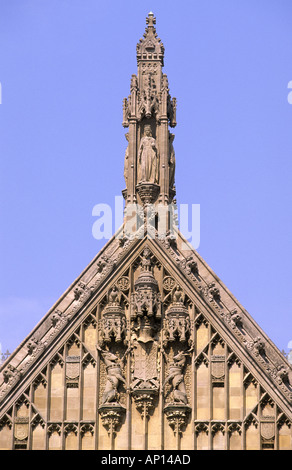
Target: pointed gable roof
x,y
211,298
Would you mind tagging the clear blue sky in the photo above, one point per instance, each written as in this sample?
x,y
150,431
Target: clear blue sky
x,y
65,66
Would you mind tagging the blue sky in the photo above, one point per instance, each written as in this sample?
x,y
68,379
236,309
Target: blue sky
x,y
65,66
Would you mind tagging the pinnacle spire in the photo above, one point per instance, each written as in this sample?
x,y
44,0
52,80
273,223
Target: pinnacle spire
x,y
148,112
150,46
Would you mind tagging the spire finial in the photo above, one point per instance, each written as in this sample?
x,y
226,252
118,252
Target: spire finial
x,y
151,20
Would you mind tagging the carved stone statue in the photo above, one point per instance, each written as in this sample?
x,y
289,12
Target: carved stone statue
x,y
148,158
114,377
176,378
113,296
126,164
171,161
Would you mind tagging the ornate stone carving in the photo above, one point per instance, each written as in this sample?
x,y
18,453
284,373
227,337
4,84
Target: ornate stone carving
x,y
176,378
144,400
70,428
177,318
123,284
145,354
21,428
189,265
86,427
234,426
146,300
58,318
111,417
257,345
32,345
218,369
171,161
37,421
54,427
235,318
282,374
113,320
177,416
201,426
148,158
11,373
148,192
126,163
102,263
78,291
268,430
114,377
168,283
217,427
5,421
72,371
214,292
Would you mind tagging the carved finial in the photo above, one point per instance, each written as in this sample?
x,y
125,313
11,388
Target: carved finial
x,y
150,20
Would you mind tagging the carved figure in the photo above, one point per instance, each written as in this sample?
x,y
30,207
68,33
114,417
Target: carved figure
x,y
177,379
126,164
148,157
114,377
171,161
113,296
178,296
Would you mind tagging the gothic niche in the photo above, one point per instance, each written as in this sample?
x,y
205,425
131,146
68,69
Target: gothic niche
x,y
148,167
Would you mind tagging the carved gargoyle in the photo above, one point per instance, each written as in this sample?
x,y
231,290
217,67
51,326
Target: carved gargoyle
x,y
32,345
10,373
235,318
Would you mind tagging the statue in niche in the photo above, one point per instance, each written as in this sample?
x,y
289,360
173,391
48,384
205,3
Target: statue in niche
x,y
148,158
114,377
126,164
176,378
171,161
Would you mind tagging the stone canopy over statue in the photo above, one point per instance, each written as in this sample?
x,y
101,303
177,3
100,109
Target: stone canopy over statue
x,y
148,158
